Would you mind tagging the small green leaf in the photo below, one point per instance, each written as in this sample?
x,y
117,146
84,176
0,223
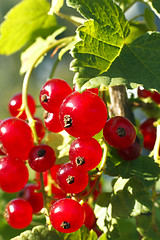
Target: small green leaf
x,y
143,168
38,48
24,23
102,38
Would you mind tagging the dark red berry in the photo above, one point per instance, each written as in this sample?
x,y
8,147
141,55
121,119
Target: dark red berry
x,y
66,215
83,114
130,153
53,93
52,122
119,132
41,158
16,137
15,105
143,93
155,97
148,131
71,179
85,154
13,174
18,213
90,219
30,193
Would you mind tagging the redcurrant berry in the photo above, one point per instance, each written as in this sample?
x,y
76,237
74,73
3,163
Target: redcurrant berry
x,y
16,137
85,154
119,132
149,133
90,219
18,213
130,153
155,97
13,174
15,105
66,215
71,179
41,158
52,122
143,93
83,114
30,193
53,93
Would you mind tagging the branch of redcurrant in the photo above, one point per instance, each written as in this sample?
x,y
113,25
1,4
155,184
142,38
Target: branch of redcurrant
x,y
26,81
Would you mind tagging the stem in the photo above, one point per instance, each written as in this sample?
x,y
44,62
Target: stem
x,y
54,68
46,211
26,81
77,21
153,208
155,152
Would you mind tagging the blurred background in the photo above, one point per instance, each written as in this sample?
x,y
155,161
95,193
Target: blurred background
x,y
11,82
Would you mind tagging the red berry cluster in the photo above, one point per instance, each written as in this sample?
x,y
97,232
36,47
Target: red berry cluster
x,y
82,115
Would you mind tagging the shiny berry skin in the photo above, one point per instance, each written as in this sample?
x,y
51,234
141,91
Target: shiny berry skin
x,y
53,93
90,219
15,105
85,154
40,129
130,153
149,133
71,179
13,174
41,158
66,215
30,193
16,137
83,114
18,213
119,132
52,122
143,93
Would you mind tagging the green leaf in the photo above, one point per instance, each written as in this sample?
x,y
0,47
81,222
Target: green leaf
x,y
138,63
105,221
42,233
143,168
37,49
38,233
122,203
24,23
102,38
